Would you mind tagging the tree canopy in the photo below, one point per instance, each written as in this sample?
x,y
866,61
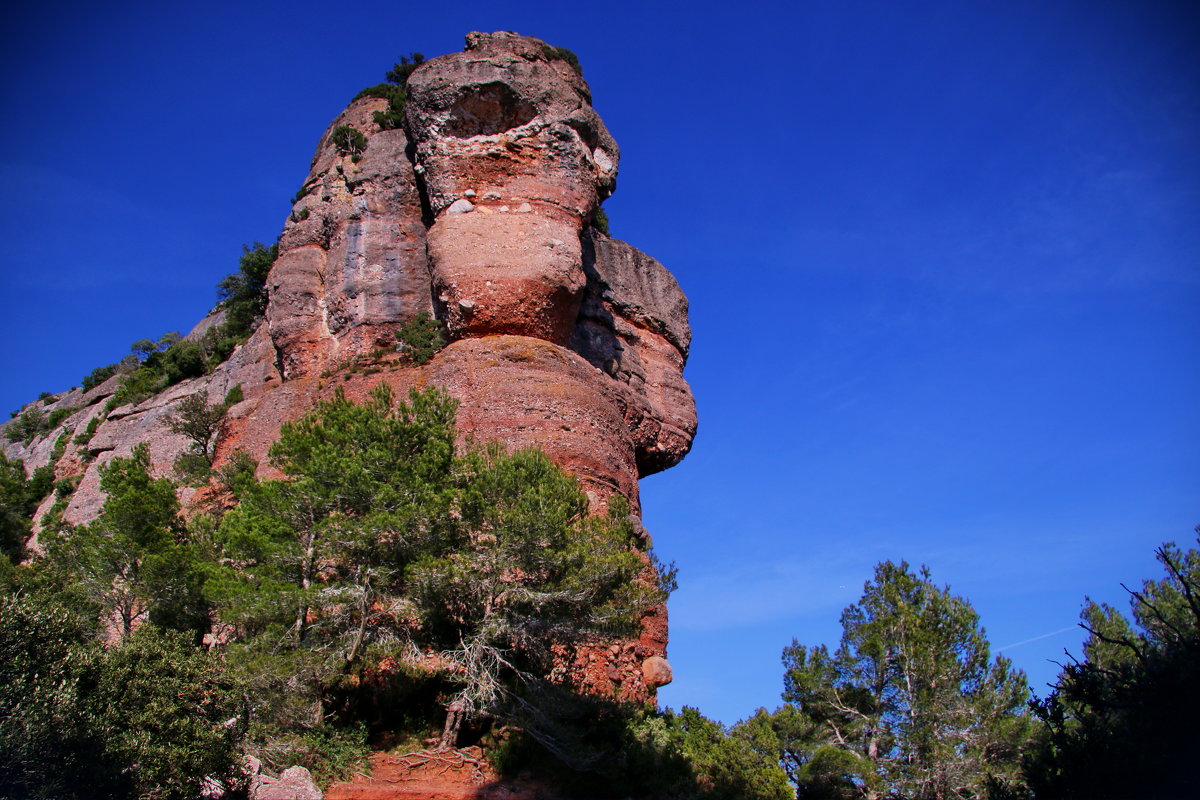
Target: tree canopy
x,y
908,705
384,542
1119,723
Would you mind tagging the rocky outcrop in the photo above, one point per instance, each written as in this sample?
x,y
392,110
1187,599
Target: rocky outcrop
x,y
352,258
514,161
478,210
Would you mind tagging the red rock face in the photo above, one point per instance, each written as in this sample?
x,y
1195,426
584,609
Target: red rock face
x,y
352,258
515,161
564,338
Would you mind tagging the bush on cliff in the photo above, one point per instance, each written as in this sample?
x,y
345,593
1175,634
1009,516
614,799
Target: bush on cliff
x,y
420,338
552,53
243,294
393,91
203,424
153,366
600,221
348,140
19,496
98,376
32,422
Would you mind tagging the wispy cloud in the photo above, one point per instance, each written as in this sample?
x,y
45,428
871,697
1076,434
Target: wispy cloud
x,y
1036,638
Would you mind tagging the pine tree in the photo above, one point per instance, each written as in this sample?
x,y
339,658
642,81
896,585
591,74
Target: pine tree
x,y
133,561
909,704
1120,723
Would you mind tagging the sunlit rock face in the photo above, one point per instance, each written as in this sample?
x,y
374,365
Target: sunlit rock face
x,y
477,211
352,257
515,161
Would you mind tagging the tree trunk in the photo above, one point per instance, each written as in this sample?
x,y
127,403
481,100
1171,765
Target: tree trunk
x,y
306,570
454,721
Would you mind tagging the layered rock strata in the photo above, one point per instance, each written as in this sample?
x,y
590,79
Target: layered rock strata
x,y
478,212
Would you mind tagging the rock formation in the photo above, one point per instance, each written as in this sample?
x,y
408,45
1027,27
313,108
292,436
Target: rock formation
x,y
478,211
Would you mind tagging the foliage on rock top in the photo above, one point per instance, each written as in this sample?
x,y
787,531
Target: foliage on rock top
x,y
394,91
552,53
153,366
243,294
32,422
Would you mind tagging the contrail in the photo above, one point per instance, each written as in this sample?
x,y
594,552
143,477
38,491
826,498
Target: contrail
x,y
1037,638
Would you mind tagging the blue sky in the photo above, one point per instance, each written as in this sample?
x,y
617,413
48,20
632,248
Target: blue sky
x,y
943,260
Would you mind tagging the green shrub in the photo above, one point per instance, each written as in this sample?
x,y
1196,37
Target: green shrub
x,y
383,91
402,70
201,422
32,422
88,432
159,364
393,91
600,221
243,294
563,54
43,731
237,473
140,384
301,215
234,395
19,498
348,140
60,446
420,338
67,486
192,469
60,414
46,397
182,361
162,705
330,752
40,484
217,346
98,376
328,229
303,191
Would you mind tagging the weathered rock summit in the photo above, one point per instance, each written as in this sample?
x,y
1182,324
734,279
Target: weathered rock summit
x,y
477,210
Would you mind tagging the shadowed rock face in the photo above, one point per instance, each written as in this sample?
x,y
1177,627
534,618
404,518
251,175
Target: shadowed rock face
x,y
478,211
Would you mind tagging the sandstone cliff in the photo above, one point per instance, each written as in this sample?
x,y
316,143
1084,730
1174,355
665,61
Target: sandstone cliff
x,y
476,210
